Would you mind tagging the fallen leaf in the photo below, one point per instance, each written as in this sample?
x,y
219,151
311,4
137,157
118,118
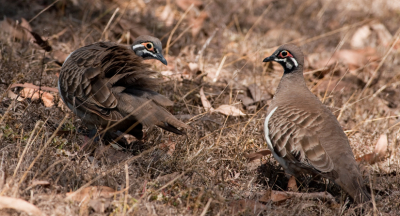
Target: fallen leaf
x,y
167,16
245,100
14,30
33,94
278,196
39,182
292,185
185,4
14,96
30,85
381,147
229,110
379,153
48,99
92,192
259,154
371,35
206,104
19,205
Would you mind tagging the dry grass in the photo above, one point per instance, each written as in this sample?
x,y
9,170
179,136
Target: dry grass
x,y
205,172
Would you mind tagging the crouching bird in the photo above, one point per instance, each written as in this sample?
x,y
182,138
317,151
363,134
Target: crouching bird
x,y
106,83
303,134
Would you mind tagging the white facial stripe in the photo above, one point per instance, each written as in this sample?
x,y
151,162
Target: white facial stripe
x,y
278,59
288,65
294,61
146,51
137,46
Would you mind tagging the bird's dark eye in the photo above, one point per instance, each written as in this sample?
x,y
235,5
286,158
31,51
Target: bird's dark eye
x,y
149,46
284,53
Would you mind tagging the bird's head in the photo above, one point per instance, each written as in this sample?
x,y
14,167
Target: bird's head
x,y
148,47
289,56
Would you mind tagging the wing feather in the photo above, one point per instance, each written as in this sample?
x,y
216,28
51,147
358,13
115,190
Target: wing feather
x,y
294,136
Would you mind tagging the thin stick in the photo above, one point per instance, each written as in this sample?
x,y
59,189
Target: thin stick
x,y
219,68
27,146
375,210
111,170
43,10
170,182
174,29
206,207
304,41
200,53
109,22
126,188
257,21
44,147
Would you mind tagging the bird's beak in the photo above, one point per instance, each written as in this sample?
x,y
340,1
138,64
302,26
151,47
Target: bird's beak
x,y
268,59
162,59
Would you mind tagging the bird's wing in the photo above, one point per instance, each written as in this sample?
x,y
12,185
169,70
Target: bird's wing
x,y
90,74
147,107
293,134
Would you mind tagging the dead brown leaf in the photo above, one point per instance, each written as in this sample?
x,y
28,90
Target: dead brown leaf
x,y
371,35
30,85
206,104
292,185
19,205
39,182
259,154
167,15
92,192
379,153
16,31
229,110
185,4
48,99
278,196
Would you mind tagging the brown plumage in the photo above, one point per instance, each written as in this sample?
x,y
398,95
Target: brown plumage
x,y
105,82
303,134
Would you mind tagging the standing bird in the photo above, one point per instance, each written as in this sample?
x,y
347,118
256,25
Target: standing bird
x,y
106,83
303,134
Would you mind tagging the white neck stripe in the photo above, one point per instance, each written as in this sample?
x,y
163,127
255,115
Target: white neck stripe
x,y
294,61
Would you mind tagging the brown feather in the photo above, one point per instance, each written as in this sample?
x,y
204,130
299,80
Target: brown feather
x,y
304,134
105,82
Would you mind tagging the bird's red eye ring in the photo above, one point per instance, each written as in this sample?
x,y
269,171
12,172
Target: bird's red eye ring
x,y
149,46
284,54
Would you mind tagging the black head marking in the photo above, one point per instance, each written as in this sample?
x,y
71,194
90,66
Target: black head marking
x,y
148,47
289,56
